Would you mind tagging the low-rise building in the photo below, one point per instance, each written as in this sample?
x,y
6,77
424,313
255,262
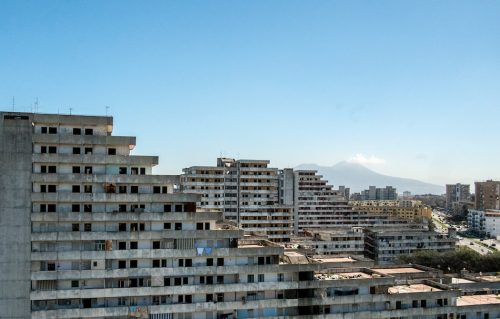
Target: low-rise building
x,y
347,241
407,209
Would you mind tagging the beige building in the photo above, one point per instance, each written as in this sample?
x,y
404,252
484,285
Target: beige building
x,y
487,195
406,209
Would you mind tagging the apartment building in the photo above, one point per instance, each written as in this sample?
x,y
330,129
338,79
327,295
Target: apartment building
x,y
487,195
246,191
456,193
484,222
348,241
384,246
315,203
89,232
375,193
406,209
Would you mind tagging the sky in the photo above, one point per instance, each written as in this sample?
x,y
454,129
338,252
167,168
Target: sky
x,y
407,88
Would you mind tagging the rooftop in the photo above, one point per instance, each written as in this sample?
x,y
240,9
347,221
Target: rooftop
x,y
460,281
332,259
341,276
406,289
478,300
401,270
491,278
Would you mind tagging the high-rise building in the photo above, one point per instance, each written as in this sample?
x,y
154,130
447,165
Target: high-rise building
x,y
456,193
374,193
487,195
246,191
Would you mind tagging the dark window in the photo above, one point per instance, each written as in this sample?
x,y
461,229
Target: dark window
x,y
210,261
414,303
133,264
111,151
74,283
122,227
75,227
122,208
52,130
164,263
156,189
209,297
43,188
134,189
220,261
51,208
87,188
87,208
189,263
52,149
88,150
220,279
423,303
220,297
75,188
89,131
43,149
199,226
167,208
167,226
122,189
210,280
43,208
156,244
207,226
164,189
178,226
261,277
134,171
44,130
398,304
43,169
166,281
87,227
268,260
142,226
75,208
77,131
156,263
181,262
76,150
133,282
122,245
133,245
51,266
250,278
122,264
178,208
177,281
133,227
122,170
76,169
143,171
52,169
88,169
261,261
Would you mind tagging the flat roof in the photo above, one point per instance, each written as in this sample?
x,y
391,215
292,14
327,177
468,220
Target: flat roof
x,y
461,281
401,270
328,259
491,278
343,275
478,300
405,289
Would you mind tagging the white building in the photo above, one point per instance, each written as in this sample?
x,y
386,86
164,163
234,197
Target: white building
x,y
485,222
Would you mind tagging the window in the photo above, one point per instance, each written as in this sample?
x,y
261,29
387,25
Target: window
x,y
89,131
134,171
178,226
210,261
122,245
134,189
142,226
281,277
133,264
76,169
177,281
43,149
74,283
52,149
143,171
75,208
207,226
133,245
181,262
188,298
52,130
220,279
261,261
111,151
166,281
88,169
87,227
164,189
199,226
414,304
178,208
77,131
209,297
122,227
51,266
156,244
122,189
220,297
122,171
51,208
133,227
210,280
87,208
122,208
398,304
75,188
76,150
167,226
122,264
189,263
43,129
261,277
250,278
43,188
52,169
167,208
75,227
43,169
88,150
156,263
220,261
87,188
52,188
156,189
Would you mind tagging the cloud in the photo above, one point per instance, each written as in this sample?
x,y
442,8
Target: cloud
x,y
362,159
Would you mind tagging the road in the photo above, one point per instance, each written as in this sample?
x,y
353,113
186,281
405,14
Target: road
x,y
474,246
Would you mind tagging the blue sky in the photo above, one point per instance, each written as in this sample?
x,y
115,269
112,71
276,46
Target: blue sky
x,y
410,88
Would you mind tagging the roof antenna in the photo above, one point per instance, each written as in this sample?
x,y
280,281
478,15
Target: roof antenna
x,y
70,110
107,109
13,103
36,105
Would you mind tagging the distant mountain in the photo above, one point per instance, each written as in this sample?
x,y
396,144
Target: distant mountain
x,y
358,178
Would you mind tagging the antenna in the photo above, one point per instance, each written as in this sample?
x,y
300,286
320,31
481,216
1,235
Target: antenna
x,y
70,110
36,105
13,103
107,109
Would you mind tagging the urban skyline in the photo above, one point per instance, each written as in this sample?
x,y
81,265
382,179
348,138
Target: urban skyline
x,y
396,86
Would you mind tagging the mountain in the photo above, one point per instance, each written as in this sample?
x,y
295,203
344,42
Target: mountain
x,y
358,178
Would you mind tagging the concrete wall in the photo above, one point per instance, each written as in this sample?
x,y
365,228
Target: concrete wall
x,y
15,209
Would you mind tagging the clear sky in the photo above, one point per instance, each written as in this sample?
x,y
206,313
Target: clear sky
x,y
410,88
